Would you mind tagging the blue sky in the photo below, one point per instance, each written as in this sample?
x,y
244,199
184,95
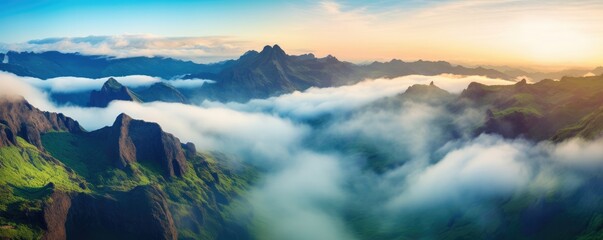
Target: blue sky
x,y
511,32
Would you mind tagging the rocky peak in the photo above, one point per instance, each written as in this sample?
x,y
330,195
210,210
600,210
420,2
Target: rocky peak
x,y
274,52
139,141
474,91
425,92
19,118
112,84
111,90
522,82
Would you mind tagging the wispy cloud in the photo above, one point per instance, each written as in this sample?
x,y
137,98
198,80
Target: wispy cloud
x,y
198,49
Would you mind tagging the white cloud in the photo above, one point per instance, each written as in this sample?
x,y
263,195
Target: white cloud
x,y
81,84
311,178
485,167
318,101
198,49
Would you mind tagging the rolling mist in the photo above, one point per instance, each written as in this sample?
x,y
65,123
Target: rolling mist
x,y
343,162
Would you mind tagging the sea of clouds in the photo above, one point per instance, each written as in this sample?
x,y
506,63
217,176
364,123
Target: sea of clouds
x,y
316,149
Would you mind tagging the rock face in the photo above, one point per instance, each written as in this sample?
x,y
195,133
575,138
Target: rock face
x,y
111,90
19,118
139,141
141,213
55,214
189,150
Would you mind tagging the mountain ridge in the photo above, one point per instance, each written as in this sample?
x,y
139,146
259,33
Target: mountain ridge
x,y
111,90
115,182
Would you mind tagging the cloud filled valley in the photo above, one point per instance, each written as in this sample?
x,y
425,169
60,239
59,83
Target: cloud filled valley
x,y
367,160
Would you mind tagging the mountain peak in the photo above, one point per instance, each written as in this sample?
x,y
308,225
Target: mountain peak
x,y
522,82
122,119
275,50
111,82
111,90
135,140
427,93
18,118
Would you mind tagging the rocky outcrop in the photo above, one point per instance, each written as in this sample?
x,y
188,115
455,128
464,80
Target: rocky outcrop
x,y
426,93
139,141
141,213
111,90
189,150
19,118
55,214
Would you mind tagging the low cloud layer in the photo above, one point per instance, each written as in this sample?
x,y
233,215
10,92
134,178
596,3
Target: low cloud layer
x,y
319,101
361,166
198,49
81,84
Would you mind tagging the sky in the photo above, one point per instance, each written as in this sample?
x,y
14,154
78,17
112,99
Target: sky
x,y
546,34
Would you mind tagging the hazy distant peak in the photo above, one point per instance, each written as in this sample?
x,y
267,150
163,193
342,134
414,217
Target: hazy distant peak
x,y
275,50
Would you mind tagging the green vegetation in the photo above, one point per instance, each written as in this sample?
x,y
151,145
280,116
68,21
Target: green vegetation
x,y
199,200
517,110
26,175
547,110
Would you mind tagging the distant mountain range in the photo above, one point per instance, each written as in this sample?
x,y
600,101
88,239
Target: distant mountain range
x,y
56,64
541,75
269,72
254,75
273,72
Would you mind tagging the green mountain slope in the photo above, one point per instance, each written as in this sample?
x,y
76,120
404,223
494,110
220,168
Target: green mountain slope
x,y
555,110
27,178
103,184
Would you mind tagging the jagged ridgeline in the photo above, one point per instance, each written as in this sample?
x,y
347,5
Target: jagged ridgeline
x,y
267,73
130,180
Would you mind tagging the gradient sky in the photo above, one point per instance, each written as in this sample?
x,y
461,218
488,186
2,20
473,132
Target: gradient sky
x,y
554,33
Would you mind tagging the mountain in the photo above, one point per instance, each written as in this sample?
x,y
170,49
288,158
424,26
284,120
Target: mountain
x,y
273,72
397,68
111,90
52,64
18,118
135,140
426,93
130,180
255,74
554,110
162,92
540,75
